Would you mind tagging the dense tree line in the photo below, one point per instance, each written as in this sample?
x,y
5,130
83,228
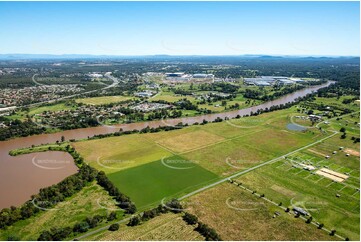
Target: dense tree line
x,y
122,200
56,233
203,229
18,128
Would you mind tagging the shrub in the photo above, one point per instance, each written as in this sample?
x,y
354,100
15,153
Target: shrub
x,y
114,227
190,218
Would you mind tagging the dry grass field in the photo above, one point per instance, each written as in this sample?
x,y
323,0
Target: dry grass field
x,y
165,227
238,215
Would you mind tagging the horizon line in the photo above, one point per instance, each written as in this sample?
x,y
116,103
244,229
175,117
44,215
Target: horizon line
x,y
177,55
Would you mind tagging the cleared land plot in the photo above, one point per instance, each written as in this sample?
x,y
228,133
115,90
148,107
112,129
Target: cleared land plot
x,y
335,176
188,141
148,184
228,157
53,108
67,213
117,153
281,182
165,227
103,100
169,97
238,215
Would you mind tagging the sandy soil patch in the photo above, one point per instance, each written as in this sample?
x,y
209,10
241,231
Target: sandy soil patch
x,y
333,175
283,191
316,152
352,152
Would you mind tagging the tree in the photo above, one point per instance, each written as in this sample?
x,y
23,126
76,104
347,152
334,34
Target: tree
x,y
45,236
333,232
134,221
113,227
112,216
309,220
190,218
13,238
343,130
207,232
81,227
62,138
320,226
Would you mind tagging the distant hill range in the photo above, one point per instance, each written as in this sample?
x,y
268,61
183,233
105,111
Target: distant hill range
x,y
81,56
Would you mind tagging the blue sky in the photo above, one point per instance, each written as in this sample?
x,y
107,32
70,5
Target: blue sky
x,y
180,28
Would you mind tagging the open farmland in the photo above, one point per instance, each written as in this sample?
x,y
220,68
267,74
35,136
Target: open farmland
x,y
168,226
335,204
238,215
135,163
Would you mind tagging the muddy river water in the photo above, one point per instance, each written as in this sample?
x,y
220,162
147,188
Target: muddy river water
x,y
23,176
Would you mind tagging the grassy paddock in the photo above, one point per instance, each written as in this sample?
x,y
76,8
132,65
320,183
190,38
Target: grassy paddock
x,y
282,182
148,184
238,215
117,153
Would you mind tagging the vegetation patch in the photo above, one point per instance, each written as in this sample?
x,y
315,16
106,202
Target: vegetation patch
x,y
90,201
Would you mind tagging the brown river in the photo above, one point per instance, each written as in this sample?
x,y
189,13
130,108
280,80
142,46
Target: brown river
x,y
23,176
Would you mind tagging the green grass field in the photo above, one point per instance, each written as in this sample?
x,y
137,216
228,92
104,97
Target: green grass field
x,y
117,153
148,184
53,108
103,100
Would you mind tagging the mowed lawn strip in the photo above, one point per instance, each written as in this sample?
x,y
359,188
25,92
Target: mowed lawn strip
x,y
117,153
148,184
